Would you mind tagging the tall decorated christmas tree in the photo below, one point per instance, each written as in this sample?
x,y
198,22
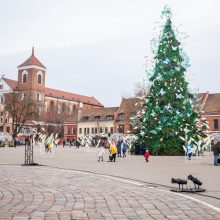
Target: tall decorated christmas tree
x,y
170,119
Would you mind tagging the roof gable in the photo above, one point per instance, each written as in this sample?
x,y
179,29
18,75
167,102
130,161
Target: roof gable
x,y
212,104
11,83
32,60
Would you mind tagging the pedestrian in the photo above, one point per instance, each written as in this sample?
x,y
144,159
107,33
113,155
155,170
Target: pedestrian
x,y
147,154
113,151
189,150
77,143
101,152
15,142
64,142
216,152
105,144
124,148
119,147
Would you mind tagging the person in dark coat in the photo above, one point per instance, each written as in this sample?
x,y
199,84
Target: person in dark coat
x,y
64,142
77,144
216,152
119,147
124,148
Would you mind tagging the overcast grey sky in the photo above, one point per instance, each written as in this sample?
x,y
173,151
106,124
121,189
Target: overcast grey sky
x,y
98,47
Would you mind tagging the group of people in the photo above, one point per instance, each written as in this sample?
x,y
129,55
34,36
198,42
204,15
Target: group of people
x,y
116,147
74,142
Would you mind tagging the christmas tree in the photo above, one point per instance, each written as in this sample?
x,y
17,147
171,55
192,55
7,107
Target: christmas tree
x,y
170,119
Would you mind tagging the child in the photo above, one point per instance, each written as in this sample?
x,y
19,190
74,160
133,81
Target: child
x,y
101,153
189,150
146,155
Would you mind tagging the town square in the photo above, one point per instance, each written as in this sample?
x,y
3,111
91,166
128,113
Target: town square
x,y
109,110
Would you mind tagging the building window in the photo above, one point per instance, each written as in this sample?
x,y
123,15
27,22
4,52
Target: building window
x,y
74,131
121,116
111,130
39,77
74,108
8,129
84,131
80,130
39,111
24,76
1,86
85,118
92,130
96,130
121,129
97,117
38,97
1,99
87,130
100,130
106,130
63,107
110,117
68,131
51,106
24,95
215,122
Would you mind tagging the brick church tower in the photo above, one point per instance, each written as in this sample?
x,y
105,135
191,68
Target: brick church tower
x,y
31,79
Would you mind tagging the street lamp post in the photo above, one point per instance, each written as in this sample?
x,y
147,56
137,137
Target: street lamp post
x,y
29,151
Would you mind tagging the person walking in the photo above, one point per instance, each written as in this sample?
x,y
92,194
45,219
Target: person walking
x,y
216,152
119,147
113,151
77,143
105,144
101,152
64,142
124,148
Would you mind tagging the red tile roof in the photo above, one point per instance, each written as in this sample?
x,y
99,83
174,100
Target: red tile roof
x,y
92,113
61,94
72,97
32,60
212,105
11,83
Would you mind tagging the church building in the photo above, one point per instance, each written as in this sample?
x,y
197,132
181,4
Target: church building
x,y
31,79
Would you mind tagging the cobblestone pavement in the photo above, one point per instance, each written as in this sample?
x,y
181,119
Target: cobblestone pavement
x,y
39,193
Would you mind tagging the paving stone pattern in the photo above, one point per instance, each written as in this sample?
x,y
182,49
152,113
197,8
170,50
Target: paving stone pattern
x,y
41,193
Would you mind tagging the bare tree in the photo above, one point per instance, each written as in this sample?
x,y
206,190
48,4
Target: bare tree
x,y
21,109
55,118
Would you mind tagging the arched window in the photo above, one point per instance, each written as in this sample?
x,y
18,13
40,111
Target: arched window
x,y
51,105
24,76
39,111
38,97
74,108
1,99
23,96
63,107
39,77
